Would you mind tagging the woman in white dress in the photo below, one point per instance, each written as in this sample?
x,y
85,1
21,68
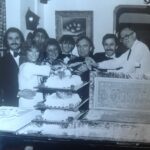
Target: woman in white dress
x,y
30,76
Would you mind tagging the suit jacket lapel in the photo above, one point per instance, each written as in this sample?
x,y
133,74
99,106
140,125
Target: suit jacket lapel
x,y
12,61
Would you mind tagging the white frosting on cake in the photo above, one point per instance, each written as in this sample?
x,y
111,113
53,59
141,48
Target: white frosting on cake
x,y
55,81
65,101
45,129
31,129
56,129
52,129
30,103
59,115
13,118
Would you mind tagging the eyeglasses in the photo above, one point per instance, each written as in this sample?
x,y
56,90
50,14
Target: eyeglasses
x,y
126,36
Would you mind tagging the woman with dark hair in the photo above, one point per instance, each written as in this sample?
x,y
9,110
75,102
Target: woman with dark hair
x,y
40,37
43,34
53,52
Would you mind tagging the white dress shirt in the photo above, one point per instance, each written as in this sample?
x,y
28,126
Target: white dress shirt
x,y
138,61
112,57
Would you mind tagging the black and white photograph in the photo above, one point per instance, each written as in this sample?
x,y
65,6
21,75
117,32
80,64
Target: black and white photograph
x,y
74,74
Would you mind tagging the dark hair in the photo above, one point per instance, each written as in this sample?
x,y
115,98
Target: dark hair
x,y
109,36
13,29
40,30
53,41
67,39
29,37
27,45
89,40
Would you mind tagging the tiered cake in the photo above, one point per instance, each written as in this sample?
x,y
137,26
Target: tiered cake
x,y
63,79
61,104
62,100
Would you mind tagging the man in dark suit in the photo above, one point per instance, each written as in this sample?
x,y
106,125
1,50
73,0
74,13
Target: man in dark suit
x,y
9,68
85,49
80,65
110,44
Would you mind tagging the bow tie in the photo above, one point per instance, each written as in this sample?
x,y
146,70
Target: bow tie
x,y
16,54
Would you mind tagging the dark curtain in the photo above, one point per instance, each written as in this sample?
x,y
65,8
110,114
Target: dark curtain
x,y
2,21
2,32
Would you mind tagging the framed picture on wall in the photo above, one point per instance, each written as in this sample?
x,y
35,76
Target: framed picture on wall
x,y
75,23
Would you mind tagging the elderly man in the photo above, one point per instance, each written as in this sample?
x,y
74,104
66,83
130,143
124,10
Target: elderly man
x,y
13,40
84,62
135,60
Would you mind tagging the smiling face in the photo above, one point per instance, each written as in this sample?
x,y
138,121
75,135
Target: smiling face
x,y
33,54
13,41
66,47
127,37
40,39
84,48
110,46
52,52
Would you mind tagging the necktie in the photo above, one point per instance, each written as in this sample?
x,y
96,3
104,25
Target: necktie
x,y
16,54
129,54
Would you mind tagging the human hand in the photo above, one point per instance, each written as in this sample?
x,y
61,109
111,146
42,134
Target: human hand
x,y
82,68
90,62
73,57
75,64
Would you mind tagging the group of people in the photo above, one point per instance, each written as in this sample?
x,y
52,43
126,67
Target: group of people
x,y
39,54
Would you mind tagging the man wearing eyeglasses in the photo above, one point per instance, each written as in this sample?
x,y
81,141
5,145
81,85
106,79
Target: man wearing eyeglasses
x,y
135,60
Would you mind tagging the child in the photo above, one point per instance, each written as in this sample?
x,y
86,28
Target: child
x,y
67,44
29,77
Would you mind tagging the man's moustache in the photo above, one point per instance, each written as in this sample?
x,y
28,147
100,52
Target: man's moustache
x,y
14,44
108,50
